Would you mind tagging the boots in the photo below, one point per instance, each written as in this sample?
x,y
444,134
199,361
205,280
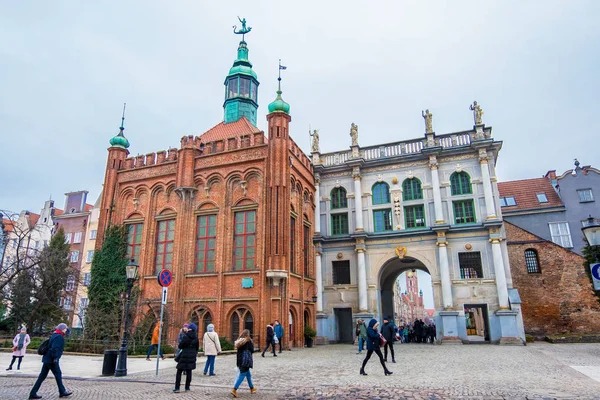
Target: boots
x,y
388,372
362,371
234,393
253,390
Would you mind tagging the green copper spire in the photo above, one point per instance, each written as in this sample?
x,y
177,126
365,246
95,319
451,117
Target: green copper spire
x,y
279,105
120,140
241,84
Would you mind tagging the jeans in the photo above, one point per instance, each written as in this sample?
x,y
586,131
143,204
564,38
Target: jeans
x,y
361,344
151,349
188,378
241,377
13,361
210,364
55,368
280,342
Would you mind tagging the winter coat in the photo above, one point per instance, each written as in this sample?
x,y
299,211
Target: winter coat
x,y
241,345
57,346
388,332
211,344
363,331
189,351
155,334
20,353
279,331
270,333
373,339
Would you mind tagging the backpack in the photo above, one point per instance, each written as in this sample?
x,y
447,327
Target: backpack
x,y
246,359
44,347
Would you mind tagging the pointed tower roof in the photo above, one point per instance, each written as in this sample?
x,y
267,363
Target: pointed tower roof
x,y
120,140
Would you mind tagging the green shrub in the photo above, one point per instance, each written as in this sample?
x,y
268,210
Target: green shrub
x,y
529,338
225,344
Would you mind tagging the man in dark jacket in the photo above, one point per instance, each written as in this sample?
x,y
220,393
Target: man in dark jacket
x,y
279,333
389,333
50,363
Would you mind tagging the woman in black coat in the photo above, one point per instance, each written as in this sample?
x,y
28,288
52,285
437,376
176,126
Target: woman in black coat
x,y
189,346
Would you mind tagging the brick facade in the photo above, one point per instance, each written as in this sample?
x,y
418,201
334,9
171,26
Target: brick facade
x,y
559,299
214,176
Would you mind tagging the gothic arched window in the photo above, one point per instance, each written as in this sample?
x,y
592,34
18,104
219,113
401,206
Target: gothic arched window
x,y
338,198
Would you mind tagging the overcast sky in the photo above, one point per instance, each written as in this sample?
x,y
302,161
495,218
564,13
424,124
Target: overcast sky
x,y
66,67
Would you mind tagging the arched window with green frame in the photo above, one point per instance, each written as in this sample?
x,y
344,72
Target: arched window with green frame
x,y
411,189
381,193
460,183
338,198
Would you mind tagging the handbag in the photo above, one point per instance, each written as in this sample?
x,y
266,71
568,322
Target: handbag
x,y
178,356
382,340
275,340
15,348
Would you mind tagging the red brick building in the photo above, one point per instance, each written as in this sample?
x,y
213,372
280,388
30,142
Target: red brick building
x,y
556,293
229,213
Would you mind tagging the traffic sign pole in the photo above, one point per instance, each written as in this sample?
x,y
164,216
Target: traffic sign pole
x,y
165,278
595,269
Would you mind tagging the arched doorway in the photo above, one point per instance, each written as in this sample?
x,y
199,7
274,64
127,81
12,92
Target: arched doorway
x,y
408,299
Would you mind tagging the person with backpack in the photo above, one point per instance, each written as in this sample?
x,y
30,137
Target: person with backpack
x,y
20,343
186,359
212,347
244,362
51,350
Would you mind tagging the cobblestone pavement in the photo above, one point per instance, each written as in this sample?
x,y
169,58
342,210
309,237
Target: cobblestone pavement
x,y
538,371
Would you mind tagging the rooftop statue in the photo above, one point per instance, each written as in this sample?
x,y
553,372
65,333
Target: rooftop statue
x,y
243,29
354,134
477,112
428,121
315,141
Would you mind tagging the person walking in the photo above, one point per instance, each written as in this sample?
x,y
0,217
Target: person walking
x,y
279,333
187,358
212,347
270,340
389,334
154,343
244,362
50,363
361,332
373,342
20,343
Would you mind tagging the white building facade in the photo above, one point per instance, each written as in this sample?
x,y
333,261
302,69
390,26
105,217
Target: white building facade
x,y
429,204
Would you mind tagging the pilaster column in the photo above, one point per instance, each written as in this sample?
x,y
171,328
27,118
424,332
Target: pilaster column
x,y
487,185
319,279
437,194
499,271
445,271
358,199
317,204
362,281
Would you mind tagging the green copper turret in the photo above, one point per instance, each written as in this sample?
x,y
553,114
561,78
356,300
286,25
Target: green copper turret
x,y
241,84
120,140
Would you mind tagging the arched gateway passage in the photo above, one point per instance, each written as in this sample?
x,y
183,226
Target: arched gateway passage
x,y
388,275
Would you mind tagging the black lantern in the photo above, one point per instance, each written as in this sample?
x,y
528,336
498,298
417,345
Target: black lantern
x,y
131,271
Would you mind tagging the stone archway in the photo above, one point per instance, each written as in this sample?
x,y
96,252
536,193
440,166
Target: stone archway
x,y
388,274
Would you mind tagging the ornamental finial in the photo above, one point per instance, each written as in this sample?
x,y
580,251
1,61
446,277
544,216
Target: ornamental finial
x,y
477,113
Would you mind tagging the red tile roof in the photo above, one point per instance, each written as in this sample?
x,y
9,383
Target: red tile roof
x,y
88,207
9,225
58,211
524,191
223,131
33,219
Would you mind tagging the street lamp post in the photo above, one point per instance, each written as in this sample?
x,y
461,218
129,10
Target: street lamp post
x,y
591,230
131,271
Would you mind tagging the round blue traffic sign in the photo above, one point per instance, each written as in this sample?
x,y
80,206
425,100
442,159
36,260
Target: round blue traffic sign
x,y
165,278
596,271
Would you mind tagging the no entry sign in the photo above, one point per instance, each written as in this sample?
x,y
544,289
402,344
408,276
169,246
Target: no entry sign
x,y
165,278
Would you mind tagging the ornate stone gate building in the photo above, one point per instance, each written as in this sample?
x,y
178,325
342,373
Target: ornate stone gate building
x,y
429,203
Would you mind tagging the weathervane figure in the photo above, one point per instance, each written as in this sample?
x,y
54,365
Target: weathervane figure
x,y
243,30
